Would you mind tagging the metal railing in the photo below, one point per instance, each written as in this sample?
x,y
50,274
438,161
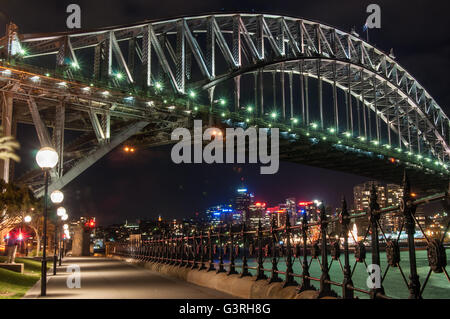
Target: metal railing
x,y
207,250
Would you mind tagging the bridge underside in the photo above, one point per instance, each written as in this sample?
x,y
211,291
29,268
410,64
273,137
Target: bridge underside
x,y
340,103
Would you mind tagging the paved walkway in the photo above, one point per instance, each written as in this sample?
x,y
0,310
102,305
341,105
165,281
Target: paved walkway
x,y
103,278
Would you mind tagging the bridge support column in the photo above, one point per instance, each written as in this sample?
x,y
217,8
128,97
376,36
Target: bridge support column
x,y
9,128
81,245
237,93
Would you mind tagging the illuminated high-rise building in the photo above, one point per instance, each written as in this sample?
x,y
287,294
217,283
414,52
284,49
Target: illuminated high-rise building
x,y
242,202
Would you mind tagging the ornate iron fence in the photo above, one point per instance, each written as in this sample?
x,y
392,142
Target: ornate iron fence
x,y
209,249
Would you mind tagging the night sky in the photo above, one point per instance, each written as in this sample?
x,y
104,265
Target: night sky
x,y
147,184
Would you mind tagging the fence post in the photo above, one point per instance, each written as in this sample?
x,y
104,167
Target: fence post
x,y
181,264
194,250
210,253
289,279
374,219
274,272
260,270
408,210
220,250
202,252
347,293
232,269
306,283
325,286
245,271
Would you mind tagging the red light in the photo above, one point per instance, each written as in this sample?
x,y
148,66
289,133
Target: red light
x,y
92,224
392,160
305,203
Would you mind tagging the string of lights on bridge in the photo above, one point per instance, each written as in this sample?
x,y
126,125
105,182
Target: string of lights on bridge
x,y
312,130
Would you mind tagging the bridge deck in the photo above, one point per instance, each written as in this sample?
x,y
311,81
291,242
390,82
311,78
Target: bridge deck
x,y
103,278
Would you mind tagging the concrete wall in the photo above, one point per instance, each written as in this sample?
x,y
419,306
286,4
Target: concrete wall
x,y
245,287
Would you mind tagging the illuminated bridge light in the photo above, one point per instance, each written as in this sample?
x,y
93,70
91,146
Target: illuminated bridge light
x,y
223,114
75,65
47,74
247,120
196,108
362,138
35,78
375,142
105,93
86,89
6,72
158,85
273,115
324,138
222,101
63,84
192,94
151,103
119,76
331,129
249,109
314,125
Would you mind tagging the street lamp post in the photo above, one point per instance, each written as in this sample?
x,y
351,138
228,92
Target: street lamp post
x,y
60,212
46,158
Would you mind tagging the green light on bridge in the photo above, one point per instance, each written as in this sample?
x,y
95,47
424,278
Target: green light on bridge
x,y
158,86
75,65
273,115
192,94
314,125
119,76
331,129
249,109
348,134
222,101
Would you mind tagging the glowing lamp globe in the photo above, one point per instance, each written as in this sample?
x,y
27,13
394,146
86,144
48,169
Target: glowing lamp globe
x,y
64,217
61,211
47,157
57,196
66,227
27,219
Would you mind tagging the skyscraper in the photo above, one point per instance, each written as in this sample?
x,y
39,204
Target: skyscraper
x,y
242,202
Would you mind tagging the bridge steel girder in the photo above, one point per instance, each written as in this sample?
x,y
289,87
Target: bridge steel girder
x,y
89,160
259,43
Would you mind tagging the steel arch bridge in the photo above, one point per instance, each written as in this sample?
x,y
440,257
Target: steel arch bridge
x,y
340,102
